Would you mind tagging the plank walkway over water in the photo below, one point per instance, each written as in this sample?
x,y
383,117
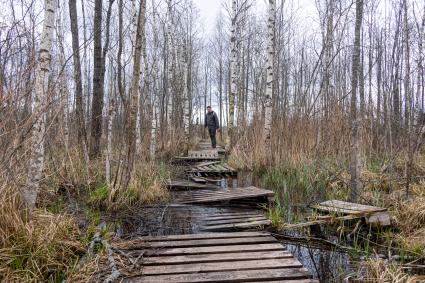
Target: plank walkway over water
x,y
209,196
188,185
233,221
215,257
211,170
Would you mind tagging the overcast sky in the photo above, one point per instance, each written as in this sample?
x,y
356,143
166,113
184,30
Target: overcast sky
x,y
209,9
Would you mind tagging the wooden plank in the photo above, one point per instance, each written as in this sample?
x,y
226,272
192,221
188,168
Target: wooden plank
x,y
207,163
216,249
233,216
220,198
351,206
237,225
157,260
204,236
228,277
229,221
336,210
209,242
198,180
190,185
222,266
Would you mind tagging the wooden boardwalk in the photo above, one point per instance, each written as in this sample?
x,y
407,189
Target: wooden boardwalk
x,y
214,257
212,196
188,185
234,221
211,169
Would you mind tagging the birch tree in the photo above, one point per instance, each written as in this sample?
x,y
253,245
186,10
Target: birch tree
x,y
36,162
135,95
270,73
355,163
233,72
186,106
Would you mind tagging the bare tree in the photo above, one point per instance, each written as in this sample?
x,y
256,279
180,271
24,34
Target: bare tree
x,y
355,163
36,163
79,107
271,31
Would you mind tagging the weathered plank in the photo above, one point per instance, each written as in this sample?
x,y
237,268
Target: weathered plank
x,y
204,236
209,242
229,277
157,260
222,266
231,221
206,196
372,214
184,184
351,206
232,216
237,225
216,249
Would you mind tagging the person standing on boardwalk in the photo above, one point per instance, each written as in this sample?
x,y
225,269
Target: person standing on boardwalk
x,y
213,124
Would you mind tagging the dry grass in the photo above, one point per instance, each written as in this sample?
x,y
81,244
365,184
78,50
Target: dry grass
x,y
148,186
378,271
43,249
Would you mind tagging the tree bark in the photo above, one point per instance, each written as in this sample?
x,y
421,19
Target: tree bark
x,y
36,163
355,163
233,73
98,76
135,96
270,74
79,108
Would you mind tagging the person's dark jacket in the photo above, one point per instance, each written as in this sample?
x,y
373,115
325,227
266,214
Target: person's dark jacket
x,y
211,121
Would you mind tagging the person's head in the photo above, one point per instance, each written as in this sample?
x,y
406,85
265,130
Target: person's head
x,y
209,109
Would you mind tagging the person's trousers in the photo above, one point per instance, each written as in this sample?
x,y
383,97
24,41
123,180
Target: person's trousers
x,y
212,132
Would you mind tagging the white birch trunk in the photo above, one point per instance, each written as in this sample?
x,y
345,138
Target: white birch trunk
x,y
143,39
63,90
154,122
111,115
152,147
36,162
233,72
270,74
186,118
170,65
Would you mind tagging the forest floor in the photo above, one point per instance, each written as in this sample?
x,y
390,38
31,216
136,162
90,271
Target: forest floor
x,y
59,242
